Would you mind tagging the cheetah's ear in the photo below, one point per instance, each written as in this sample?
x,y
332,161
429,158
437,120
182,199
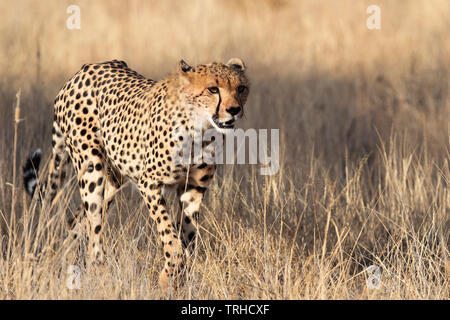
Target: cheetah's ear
x,y
183,67
237,63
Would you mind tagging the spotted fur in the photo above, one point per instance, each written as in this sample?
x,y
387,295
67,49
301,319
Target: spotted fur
x,y
115,124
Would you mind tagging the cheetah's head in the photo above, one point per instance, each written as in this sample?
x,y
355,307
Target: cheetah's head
x,y
216,91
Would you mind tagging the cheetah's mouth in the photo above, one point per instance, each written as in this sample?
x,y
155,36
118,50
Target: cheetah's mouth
x,y
229,124
226,125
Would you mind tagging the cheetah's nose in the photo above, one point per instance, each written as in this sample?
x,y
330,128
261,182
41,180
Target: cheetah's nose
x,y
234,110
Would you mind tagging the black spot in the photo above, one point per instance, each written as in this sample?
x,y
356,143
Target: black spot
x,y
97,229
91,187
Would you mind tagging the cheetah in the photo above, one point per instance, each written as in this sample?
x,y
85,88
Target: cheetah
x,y
114,124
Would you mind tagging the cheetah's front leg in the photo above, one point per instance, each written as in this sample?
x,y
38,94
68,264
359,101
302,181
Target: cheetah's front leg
x,y
173,250
191,197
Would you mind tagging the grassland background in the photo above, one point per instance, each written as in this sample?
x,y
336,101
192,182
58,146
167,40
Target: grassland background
x,y
364,128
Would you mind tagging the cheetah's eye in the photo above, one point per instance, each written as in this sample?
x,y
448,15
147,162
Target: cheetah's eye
x,y
241,89
213,90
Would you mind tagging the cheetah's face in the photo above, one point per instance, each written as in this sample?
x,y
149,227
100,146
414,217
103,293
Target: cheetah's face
x,y
216,91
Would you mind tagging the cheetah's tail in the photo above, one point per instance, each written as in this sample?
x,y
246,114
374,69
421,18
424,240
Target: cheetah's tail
x,y
30,171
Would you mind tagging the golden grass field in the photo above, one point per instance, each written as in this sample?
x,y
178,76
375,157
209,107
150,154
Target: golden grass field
x,y
364,119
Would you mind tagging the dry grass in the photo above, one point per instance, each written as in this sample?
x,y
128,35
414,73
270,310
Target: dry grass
x,y
364,178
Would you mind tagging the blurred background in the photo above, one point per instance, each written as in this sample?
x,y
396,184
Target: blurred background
x,y
318,73
363,114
